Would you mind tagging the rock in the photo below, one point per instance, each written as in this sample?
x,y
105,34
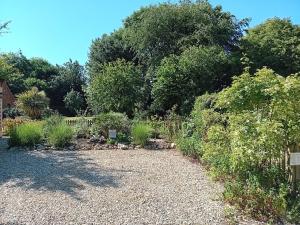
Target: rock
x,y
93,139
102,140
71,148
123,146
172,145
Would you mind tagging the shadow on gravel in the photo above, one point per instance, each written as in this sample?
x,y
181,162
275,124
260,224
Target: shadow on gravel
x,y
67,172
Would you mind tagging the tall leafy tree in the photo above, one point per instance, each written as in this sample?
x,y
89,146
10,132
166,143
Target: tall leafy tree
x,y
180,79
108,48
275,44
71,76
157,31
116,88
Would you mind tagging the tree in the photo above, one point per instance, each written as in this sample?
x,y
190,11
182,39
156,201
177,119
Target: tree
x,y
5,70
33,103
157,31
116,88
71,76
74,101
4,27
275,44
42,69
106,49
180,79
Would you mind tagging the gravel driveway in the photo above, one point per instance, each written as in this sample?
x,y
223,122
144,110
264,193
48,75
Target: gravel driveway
x,y
106,187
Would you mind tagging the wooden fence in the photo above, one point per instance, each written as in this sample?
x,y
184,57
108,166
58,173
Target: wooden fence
x,y
74,122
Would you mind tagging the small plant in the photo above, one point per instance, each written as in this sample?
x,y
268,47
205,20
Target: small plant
x,y
141,132
27,134
111,141
11,112
60,135
122,138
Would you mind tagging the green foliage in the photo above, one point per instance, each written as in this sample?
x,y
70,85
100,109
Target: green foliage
x,y
275,44
123,138
262,204
190,146
108,48
5,70
71,76
82,128
11,112
181,78
34,82
74,101
51,122
33,103
26,134
246,132
108,121
141,132
157,31
60,135
116,88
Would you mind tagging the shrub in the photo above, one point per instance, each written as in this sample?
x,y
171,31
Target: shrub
x,y
82,128
60,135
27,134
74,101
123,138
11,112
141,132
52,122
262,204
111,120
116,87
190,146
247,131
33,103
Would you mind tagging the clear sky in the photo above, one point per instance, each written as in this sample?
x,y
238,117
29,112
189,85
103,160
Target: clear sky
x,y
61,29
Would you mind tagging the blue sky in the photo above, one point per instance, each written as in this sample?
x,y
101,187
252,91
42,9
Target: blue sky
x,y
61,29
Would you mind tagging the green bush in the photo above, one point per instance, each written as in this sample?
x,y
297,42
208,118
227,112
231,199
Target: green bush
x,y
190,146
60,135
246,132
51,122
267,205
27,134
141,132
112,120
82,128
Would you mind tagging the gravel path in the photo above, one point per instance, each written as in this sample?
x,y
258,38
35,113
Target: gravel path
x,y
106,187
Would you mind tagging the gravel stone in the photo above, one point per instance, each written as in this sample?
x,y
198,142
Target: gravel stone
x,y
106,187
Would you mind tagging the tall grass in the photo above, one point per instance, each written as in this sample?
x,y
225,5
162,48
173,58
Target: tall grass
x,y
141,132
60,135
27,134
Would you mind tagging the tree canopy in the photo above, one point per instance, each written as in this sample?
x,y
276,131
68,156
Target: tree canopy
x,y
275,44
